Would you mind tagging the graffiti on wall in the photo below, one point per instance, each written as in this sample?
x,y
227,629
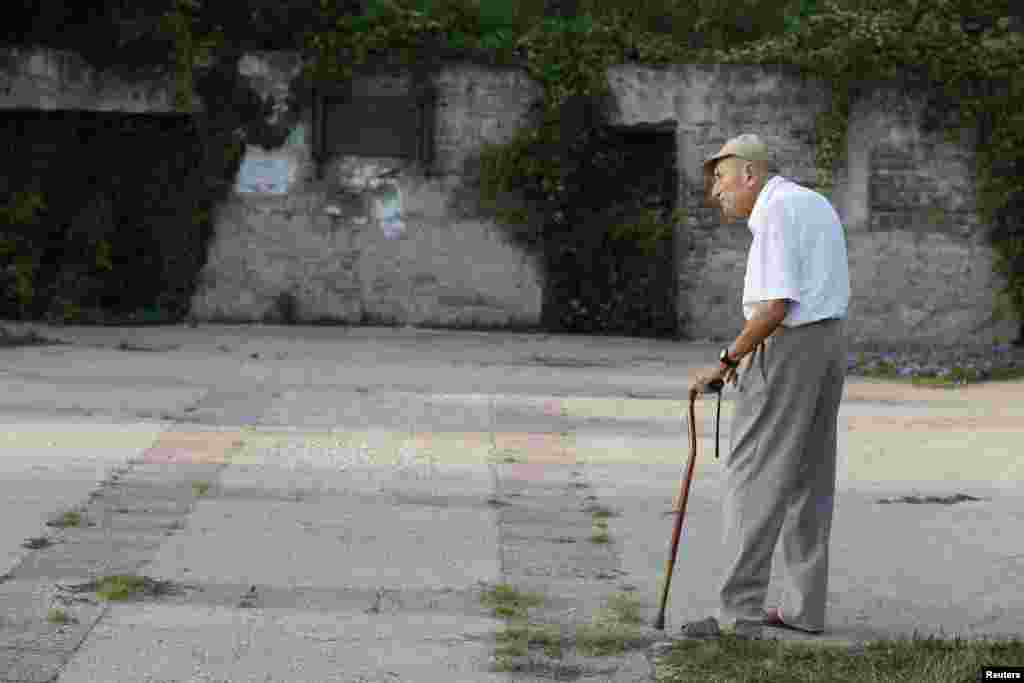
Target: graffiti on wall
x,y
261,173
388,211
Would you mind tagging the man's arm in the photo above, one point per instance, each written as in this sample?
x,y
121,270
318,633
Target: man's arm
x,y
768,315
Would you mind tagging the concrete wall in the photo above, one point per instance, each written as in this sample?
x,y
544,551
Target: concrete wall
x,y
918,267
352,246
58,79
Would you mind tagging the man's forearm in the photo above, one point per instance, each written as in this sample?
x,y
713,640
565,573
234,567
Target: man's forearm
x,y
757,329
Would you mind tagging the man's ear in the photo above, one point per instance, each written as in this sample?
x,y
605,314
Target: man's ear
x,y
709,202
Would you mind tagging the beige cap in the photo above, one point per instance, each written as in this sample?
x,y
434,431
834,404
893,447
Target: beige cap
x,y
747,146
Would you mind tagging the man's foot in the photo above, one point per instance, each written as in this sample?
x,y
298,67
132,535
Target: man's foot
x,y
708,628
705,628
773,618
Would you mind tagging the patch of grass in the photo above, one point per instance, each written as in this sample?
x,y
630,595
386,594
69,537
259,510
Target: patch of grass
x,y
59,616
518,636
127,586
71,518
614,630
915,660
200,487
625,608
1005,374
120,587
605,638
509,602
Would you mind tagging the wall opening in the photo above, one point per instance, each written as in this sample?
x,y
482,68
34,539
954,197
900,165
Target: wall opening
x,y
600,279
119,222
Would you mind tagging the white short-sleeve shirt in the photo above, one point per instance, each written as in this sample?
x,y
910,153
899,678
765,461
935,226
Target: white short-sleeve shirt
x,y
798,253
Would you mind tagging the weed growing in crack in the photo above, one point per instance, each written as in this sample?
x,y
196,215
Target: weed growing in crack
x,y
509,602
625,607
66,519
59,616
517,638
127,586
200,487
614,630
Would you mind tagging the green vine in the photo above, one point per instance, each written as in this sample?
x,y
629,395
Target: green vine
x,y
192,47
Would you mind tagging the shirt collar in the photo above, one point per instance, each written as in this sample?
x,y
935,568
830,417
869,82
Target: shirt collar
x,y
762,200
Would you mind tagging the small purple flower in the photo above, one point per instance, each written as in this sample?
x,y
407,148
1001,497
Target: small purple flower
x,y
889,356
1001,348
905,371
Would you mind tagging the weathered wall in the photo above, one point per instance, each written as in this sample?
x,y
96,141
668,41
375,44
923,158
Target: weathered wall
x,y
58,79
918,267
352,246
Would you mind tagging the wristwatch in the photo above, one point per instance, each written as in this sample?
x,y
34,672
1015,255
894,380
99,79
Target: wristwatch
x,y
723,357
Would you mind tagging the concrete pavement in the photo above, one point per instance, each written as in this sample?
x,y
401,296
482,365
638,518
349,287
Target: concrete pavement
x,y
331,503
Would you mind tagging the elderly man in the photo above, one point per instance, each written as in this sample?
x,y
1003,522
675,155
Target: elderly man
x,y
780,473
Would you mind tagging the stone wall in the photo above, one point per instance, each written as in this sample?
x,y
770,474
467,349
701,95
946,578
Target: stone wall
x,y
59,79
375,239
919,269
383,239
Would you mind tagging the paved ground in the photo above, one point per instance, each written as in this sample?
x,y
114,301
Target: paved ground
x,y
367,485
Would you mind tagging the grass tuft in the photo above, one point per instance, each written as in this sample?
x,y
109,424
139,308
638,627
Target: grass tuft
x,y
67,519
200,487
509,602
625,607
600,537
58,616
604,638
614,629
518,636
121,587
127,586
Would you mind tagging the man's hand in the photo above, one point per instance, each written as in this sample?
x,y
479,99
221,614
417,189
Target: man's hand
x,y
728,375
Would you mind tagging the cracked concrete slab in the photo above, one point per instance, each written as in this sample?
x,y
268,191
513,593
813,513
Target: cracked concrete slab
x,y
170,642
50,465
26,621
326,543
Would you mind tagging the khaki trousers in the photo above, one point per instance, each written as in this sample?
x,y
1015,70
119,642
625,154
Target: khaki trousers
x,y
780,473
